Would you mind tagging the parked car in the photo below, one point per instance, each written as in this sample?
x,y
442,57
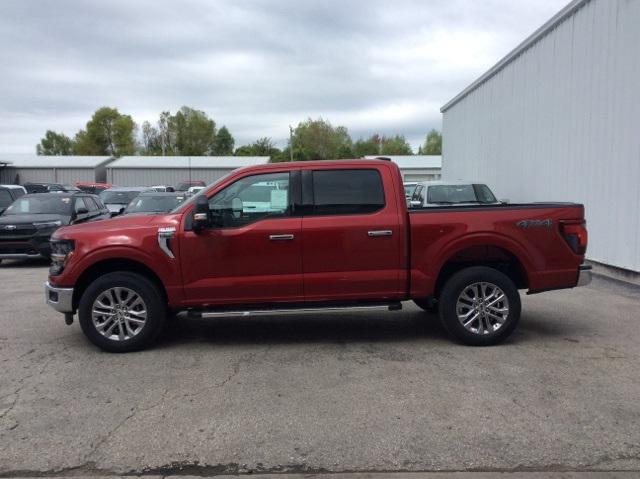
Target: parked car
x,y
194,190
458,193
163,188
49,188
8,194
336,235
27,224
118,198
154,202
185,185
93,188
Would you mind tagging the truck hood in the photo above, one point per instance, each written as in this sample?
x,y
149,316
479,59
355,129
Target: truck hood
x,y
118,225
30,218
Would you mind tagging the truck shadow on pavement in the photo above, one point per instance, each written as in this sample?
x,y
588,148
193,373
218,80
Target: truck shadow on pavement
x,y
323,328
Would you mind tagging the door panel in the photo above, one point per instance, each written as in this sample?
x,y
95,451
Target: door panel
x,y
253,254
241,265
350,256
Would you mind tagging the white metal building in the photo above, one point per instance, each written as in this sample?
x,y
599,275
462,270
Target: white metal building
x,y
171,170
416,167
558,119
52,169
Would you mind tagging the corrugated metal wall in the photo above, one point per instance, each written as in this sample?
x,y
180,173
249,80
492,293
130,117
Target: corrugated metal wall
x,y
162,176
48,175
561,122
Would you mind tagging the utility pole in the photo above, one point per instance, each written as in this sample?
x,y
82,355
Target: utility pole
x,y
290,143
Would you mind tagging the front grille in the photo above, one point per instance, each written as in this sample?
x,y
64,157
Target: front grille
x,y
20,230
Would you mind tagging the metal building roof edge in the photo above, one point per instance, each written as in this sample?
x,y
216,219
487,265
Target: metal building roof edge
x,y
541,32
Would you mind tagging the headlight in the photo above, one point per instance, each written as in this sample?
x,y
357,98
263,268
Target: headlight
x,y
47,224
61,253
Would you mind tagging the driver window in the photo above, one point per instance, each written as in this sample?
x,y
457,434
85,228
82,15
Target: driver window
x,y
251,199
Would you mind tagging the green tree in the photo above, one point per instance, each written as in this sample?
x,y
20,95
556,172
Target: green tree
x,y
55,144
395,145
319,140
193,130
150,140
224,142
432,144
369,146
261,147
107,133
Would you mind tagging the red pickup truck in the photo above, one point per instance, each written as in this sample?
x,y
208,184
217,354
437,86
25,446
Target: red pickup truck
x,y
299,237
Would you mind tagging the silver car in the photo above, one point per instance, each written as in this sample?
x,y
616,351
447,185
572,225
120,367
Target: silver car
x,y
451,193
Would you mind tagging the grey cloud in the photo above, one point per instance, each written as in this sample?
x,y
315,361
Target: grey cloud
x,y
255,65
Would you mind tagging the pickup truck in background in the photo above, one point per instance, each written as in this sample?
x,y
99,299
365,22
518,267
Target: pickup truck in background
x,y
335,235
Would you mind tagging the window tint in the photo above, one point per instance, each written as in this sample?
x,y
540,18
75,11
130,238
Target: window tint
x,y
484,194
5,198
347,192
251,199
79,204
91,204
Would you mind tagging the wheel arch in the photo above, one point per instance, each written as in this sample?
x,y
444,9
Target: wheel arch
x,y
112,265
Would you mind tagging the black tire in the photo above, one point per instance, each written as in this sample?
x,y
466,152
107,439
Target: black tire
x,y
454,288
153,301
429,305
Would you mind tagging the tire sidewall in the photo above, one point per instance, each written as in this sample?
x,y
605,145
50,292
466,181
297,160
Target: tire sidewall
x,y
449,297
156,311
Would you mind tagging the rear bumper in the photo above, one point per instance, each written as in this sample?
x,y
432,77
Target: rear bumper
x,y
60,299
584,275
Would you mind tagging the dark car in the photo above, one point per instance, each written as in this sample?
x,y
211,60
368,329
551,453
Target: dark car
x,y
49,188
117,199
27,225
154,202
8,194
185,185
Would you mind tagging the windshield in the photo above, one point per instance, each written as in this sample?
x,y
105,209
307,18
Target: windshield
x,y
49,204
193,198
154,204
452,194
118,197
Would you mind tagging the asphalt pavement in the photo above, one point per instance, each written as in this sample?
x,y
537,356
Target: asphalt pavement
x,y
342,393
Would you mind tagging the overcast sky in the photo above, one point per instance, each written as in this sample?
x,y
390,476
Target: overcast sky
x,y
256,66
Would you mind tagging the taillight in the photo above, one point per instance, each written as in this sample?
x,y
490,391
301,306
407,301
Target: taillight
x,y
575,233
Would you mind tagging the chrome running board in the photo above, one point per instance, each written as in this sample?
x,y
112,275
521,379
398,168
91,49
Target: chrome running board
x,y
291,311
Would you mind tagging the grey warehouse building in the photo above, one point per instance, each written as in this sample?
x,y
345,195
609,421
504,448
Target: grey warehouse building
x,y
557,120
52,169
171,170
416,167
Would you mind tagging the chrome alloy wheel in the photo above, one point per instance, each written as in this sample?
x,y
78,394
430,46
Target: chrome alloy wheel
x,y
482,308
119,313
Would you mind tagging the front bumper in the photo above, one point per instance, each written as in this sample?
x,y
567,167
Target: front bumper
x,y
25,248
60,299
584,275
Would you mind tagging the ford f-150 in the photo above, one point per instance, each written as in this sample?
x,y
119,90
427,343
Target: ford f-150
x,y
334,235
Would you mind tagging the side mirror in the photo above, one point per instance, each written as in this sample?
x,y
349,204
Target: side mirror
x,y
201,214
415,204
82,212
504,201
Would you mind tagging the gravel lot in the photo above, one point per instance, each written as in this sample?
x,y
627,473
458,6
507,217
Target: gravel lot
x,y
348,392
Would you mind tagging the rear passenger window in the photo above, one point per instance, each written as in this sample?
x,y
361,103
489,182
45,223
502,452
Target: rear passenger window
x,y
347,192
91,204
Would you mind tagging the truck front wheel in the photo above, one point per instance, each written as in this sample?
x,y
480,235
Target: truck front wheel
x,y
122,312
480,306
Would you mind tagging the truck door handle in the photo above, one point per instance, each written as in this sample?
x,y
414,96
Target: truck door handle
x,y
377,233
281,237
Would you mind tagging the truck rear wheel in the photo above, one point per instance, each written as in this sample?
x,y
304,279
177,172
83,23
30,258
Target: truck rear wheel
x,y
480,306
122,312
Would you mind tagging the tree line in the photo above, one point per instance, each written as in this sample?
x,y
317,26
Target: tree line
x,y
190,132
